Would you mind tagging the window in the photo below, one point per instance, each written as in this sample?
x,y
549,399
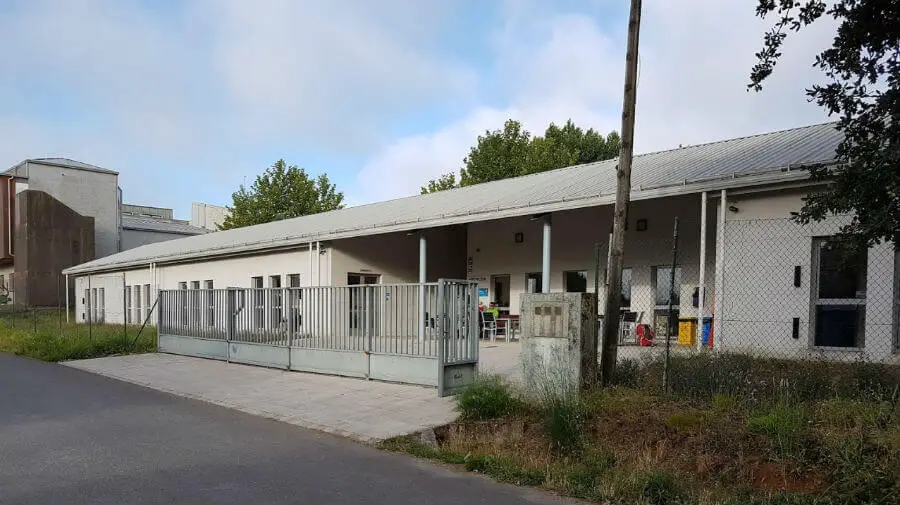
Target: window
x,y
147,299
839,296
183,302
87,305
195,302
664,322
101,305
500,291
626,288
295,296
534,283
210,302
662,283
259,302
275,299
137,305
128,305
575,281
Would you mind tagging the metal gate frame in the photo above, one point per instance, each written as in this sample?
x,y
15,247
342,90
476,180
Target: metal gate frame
x,y
445,358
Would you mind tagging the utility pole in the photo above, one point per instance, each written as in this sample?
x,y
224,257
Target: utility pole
x,y
623,195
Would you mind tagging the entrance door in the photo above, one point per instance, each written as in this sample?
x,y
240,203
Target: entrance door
x,y
363,309
500,290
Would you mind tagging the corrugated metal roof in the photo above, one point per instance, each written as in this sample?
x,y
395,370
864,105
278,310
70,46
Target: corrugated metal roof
x,y
743,161
160,225
62,162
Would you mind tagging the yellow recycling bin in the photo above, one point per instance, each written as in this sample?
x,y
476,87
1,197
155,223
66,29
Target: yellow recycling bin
x,y
687,331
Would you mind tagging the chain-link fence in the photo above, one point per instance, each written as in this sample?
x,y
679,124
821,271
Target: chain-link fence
x,y
56,333
783,308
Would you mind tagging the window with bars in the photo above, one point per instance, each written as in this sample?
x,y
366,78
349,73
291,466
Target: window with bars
x,y
128,307
137,304
210,302
259,302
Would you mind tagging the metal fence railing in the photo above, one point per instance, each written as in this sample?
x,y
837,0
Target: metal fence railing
x,y
401,319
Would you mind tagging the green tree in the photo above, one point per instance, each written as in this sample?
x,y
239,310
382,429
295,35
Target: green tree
x,y
446,181
281,192
512,151
497,154
862,71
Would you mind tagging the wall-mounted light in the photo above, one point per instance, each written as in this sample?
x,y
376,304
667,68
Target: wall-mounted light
x,y
519,237
732,208
641,225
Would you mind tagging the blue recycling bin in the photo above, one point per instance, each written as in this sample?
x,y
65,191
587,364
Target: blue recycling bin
x,y
707,328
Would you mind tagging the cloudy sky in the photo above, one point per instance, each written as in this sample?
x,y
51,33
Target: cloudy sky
x,y
188,99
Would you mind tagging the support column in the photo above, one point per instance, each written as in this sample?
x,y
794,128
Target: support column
x,y
311,283
423,249
701,301
318,263
545,264
719,308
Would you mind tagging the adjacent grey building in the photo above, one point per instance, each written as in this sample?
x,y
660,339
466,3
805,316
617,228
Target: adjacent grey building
x,y
56,213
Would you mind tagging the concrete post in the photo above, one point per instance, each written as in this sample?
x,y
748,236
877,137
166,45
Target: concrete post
x,y
545,264
423,249
702,291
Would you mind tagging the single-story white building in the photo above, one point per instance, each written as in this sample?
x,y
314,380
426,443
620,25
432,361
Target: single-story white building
x,y
770,285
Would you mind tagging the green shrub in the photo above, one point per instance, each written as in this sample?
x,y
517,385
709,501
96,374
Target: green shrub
x,y
658,488
627,373
564,422
586,478
784,424
686,420
488,398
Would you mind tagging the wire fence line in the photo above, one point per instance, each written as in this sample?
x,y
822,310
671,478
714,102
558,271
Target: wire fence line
x,y
784,298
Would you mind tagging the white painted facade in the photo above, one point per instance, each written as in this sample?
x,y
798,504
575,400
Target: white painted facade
x,y
754,308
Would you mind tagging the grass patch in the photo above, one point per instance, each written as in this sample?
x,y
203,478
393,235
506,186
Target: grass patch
x,y
46,336
488,398
734,430
784,424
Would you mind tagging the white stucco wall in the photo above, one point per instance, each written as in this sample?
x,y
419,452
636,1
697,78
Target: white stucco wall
x,y
228,272
763,246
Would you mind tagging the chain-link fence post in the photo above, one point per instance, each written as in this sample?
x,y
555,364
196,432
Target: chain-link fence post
x,y
671,315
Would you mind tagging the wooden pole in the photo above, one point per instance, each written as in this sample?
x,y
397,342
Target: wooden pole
x,y
623,195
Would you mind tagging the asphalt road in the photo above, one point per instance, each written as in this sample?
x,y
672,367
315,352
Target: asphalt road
x,y
67,436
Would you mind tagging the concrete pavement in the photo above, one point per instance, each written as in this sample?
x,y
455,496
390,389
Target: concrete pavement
x,y
77,438
355,408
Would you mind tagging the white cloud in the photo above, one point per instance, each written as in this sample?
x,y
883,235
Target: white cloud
x,y
695,61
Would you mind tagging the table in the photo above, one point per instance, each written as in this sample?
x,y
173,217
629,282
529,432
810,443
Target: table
x,y
510,327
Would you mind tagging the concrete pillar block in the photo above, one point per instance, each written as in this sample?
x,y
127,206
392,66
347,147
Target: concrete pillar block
x,y
559,343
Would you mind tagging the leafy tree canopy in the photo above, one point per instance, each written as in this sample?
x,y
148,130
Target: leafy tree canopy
x,y
512,151
281,192
862,69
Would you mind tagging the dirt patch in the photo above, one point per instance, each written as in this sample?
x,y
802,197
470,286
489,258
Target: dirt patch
x,y
773,478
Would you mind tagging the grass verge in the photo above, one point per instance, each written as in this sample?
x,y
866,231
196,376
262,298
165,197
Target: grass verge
x,y
787,443
46,336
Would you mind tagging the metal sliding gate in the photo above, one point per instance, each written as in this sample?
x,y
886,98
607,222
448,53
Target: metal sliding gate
x,y
424,334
